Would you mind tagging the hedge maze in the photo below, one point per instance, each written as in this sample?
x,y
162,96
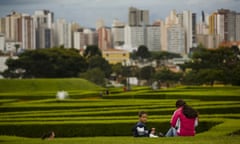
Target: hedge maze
x,y
29,113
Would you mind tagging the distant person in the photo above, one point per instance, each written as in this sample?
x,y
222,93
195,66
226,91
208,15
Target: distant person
x,y
49,135
140,129
184,120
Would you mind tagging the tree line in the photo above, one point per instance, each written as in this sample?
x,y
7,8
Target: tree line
x,y
206,66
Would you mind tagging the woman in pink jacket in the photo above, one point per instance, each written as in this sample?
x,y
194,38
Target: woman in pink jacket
x,y
184,120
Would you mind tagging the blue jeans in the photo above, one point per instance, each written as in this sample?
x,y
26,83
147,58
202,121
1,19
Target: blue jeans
x,y
171,132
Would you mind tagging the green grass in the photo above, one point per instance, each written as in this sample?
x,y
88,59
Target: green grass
x,y
125,140
29,108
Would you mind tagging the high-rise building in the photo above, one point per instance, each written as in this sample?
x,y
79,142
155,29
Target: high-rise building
x,y
91,37
2,42
11,26
43,21
26,32
44,38
153,38
2,25
62,33
216,25
43,18
188,27
118,33
176,39
229,24
104,38
238,27
134,36
79,39
137,17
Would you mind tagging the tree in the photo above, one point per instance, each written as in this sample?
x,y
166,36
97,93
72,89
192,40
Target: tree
x,y
46,63
213,65
95,75
92,50
167,75
163,55
146,72
142,52
99,62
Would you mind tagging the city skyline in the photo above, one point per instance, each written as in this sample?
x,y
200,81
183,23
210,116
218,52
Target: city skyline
x,y
86,13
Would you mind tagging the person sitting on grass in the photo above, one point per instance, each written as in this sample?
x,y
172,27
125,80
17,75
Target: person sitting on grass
x,y
184,120
49,135
140,129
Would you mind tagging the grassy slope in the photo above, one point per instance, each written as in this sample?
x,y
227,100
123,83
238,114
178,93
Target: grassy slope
x,y
25,85
20,87
44,87
125,140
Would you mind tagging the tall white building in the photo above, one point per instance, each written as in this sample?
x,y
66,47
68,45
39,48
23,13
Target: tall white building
x,y
43,21
2,42
118,33
138,17
134,36
153,38
176,39
79,40
27,32
43,18
238,27
84,37
62,33
11,26
187,24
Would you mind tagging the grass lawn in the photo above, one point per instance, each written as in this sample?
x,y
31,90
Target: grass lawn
x,y
125,140
28,108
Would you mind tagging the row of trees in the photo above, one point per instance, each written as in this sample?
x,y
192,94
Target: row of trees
x,y
206,67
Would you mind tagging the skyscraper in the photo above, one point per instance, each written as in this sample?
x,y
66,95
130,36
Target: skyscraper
x,y
229,24
137,17
104,38
118,33
62,33
153,38
176,39
134,36
43,20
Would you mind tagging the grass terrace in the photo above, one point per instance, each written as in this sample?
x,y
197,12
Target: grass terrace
x,y
29,108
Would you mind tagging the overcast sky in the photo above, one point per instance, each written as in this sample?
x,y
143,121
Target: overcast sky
x,y
87,12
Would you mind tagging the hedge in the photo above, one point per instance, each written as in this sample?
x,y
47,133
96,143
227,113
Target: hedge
x,y
87,130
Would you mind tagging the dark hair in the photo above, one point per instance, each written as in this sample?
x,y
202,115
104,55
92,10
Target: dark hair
x,y
141,113
180,103
188,111
47,135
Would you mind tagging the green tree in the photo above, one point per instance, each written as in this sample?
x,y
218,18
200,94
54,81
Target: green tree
x,y
99,62
163,55
166,75
143,52
146,72
213,65
92,50
95,75
46,63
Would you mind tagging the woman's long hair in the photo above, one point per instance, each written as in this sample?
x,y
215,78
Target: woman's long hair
x,y
188,111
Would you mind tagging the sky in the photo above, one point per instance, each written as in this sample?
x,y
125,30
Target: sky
x,y
87,12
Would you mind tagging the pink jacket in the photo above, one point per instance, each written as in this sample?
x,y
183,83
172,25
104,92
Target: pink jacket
x,y
185,126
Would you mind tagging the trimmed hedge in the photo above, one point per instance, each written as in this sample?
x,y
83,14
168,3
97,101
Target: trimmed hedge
x,y
87,130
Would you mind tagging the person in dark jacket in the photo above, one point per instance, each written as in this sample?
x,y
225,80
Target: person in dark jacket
x,y
140,129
